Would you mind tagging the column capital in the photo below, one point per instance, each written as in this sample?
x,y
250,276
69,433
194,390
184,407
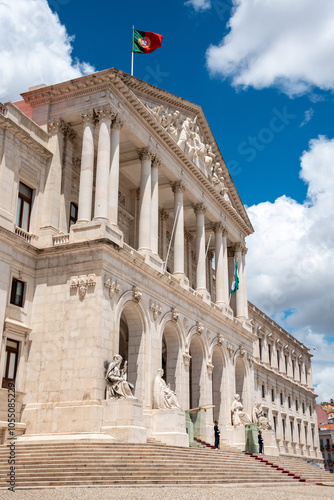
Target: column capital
x,y
219,227
58,125
178,187
210,255
164,214
145,154
188,235
239,247
88,117
200,208
104,113
117,124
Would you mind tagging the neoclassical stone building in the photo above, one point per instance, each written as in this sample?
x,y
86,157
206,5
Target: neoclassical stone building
x,y
120,227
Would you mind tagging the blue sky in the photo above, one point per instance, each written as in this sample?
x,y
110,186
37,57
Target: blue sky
x,y
263,72
103,38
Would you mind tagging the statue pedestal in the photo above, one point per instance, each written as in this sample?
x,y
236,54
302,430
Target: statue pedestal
x,y
252,443
168,426
123,419
269,443
236,436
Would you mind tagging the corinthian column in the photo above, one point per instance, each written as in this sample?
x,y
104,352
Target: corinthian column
x,y
144,238
221,262
87,169
178,190
200,247
105,116
114,171
155,205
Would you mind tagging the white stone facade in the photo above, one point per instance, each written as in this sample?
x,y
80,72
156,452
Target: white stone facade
x,y
138,174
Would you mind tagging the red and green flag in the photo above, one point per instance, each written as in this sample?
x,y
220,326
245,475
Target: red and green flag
x,y
145,42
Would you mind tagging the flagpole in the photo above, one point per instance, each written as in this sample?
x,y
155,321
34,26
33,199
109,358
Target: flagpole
x,y
133,29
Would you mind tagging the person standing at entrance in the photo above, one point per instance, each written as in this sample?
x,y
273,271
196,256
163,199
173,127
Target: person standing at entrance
x,y
217,434
260,440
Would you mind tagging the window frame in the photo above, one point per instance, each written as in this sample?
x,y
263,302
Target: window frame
x,y
13,292
9,349
19,208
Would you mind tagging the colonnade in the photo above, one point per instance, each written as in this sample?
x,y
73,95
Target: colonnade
x,y
106,207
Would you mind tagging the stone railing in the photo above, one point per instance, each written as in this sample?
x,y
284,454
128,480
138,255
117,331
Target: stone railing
x,y
60,239
30,238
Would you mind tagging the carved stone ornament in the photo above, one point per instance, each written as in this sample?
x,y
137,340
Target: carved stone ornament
x,y
286,349
200,208
199,327
242,351
156,309
186,358
164,215
220,339
137,293
175,314
178,187
57,126
117,123
209,367
230,350
105,113
112,286
145,154
185,323
88,117
82,283
250,360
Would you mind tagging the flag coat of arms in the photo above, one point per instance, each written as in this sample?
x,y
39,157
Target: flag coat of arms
x,y
235,280
145,42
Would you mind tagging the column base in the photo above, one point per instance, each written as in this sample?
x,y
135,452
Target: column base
x,y
152,259
96,229
204,294
184,282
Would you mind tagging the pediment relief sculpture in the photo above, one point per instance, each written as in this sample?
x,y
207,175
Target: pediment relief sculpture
x,y
186,132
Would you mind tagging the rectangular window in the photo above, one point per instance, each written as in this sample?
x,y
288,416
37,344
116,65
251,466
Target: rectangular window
x,y
283,428
10,365
273,395
298,427
281,398
17,292
293,368
260,349
310,410
321,444
275,423
303,405
263,393
73,214
278,359
296,405
300,373
291,430
306,375
286,363
305,429
289,401
24,203
269,353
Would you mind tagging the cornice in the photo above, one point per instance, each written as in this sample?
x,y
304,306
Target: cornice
x,y
7,124
271,324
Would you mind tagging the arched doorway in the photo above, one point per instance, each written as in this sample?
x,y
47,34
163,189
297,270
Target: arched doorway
x,y
196,369
171,358
217,385
132,346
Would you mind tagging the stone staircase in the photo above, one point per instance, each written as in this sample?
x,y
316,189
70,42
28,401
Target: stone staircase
x,y
90,462
297,468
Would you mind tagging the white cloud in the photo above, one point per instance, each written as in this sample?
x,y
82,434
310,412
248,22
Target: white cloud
x,y
290,259
34,48
307,117
277,43
199,5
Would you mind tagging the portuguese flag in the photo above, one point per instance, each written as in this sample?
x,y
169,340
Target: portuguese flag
x,y
145,42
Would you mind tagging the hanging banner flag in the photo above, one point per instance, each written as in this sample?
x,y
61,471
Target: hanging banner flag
x,y
145,42
235,280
